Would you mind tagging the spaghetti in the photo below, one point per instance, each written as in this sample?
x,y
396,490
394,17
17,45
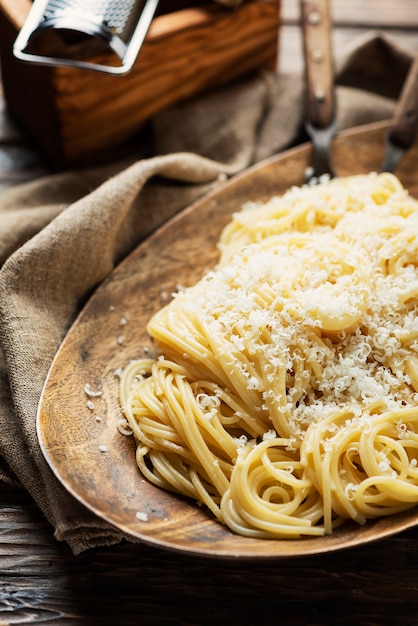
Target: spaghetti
x,y
285,396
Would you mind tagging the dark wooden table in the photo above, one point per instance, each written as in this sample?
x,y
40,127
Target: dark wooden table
x,y
41,581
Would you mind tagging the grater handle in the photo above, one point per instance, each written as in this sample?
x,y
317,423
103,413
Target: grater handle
x,y
34,24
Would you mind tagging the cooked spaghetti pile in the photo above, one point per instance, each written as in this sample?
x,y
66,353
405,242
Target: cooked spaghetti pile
x,y
285,398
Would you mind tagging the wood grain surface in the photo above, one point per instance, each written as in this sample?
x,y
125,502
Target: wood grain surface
x,y
41,582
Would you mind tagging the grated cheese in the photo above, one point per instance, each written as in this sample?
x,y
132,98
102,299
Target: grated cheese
x,y
333,278
286,391
90,392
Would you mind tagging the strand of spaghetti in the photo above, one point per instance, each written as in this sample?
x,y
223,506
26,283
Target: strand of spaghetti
x,y
185,414
237,367
169,472
338,488
247,475
324,446
284,397
203,495
231,411
372,510
146,416
174,341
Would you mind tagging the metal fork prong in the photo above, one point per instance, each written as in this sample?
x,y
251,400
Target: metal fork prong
x,y
322,160
393,156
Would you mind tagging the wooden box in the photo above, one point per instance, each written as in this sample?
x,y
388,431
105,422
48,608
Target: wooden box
x,y
81,117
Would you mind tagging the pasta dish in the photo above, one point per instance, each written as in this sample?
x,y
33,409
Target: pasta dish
x,y
284,397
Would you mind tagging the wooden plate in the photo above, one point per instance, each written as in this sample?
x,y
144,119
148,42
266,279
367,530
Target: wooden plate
x,y
91,458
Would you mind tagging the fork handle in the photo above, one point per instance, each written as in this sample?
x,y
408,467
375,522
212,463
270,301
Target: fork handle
x,y
319,70
404,127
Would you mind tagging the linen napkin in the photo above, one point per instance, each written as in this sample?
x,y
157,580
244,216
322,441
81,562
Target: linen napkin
x,y
48,229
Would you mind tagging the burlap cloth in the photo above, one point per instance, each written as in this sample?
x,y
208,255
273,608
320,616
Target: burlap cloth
x,y
48,230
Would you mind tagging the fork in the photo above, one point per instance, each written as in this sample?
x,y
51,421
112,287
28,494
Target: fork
x,y
320,120
403,130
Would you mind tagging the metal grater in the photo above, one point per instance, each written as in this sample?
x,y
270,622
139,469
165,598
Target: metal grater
x,y
53,28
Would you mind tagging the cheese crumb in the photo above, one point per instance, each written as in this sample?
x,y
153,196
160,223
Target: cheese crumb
x,y
90,392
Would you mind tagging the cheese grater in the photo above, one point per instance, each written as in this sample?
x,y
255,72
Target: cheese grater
x,y
58,32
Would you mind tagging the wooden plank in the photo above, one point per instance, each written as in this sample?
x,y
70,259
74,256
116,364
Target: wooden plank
x,y
41,582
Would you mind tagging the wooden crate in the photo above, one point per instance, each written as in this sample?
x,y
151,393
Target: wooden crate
x,y
82,117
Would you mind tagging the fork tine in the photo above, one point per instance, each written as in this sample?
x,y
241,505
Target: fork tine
x,y
322,161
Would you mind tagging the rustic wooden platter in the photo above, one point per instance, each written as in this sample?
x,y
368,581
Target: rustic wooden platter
x,y
83,446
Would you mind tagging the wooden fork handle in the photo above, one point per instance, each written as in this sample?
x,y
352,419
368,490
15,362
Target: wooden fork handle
x,y
319,70
404,127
